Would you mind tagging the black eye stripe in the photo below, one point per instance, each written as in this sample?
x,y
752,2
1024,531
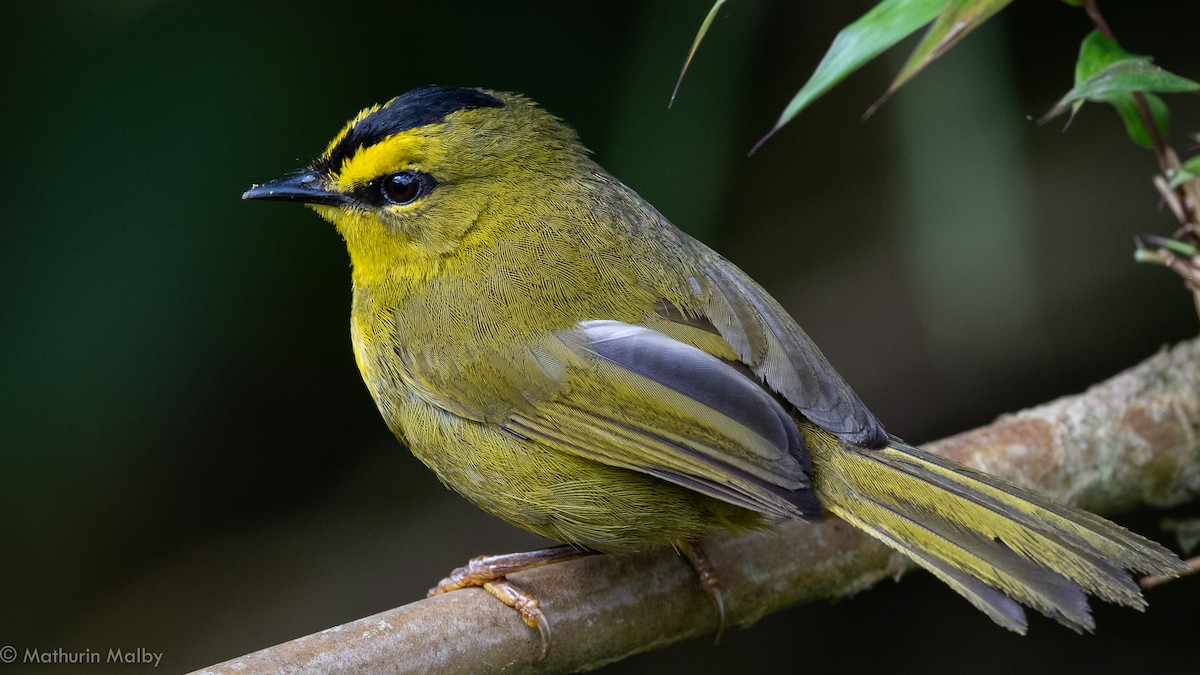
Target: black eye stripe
x,y
396,189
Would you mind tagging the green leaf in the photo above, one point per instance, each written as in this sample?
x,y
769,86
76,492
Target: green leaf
x,y
1100,59
1116,84
707,23
1135,126
1172,245
1107,73
886,24
1097,52
957,18
1189,171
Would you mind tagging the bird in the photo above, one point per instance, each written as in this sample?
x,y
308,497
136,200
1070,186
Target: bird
x,y
564,357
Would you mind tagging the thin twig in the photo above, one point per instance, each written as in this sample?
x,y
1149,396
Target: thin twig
x,y
1193,566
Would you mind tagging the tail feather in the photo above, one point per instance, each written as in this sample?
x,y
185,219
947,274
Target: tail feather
x,y
1131,550
1066,540
949,551
1002,609
990,540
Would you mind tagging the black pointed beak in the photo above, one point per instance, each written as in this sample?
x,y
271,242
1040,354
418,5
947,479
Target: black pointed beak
x,y
304,187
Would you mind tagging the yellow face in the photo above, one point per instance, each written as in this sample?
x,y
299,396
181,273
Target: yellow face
x,y
408,182
390,188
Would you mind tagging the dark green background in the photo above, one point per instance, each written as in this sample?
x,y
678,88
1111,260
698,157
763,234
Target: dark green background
x,y
190,463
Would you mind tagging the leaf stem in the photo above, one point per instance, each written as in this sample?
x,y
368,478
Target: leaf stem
x,y
1161,151
1093,12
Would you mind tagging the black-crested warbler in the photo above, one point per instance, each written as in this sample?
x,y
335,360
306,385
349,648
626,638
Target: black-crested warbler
x,y
564,357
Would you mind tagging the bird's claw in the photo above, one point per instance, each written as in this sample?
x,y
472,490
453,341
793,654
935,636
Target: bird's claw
x,y
489,572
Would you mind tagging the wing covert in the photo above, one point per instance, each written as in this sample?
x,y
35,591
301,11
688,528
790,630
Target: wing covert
x,y
641,400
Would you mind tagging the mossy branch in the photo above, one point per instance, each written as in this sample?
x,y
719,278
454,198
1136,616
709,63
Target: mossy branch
x,y
1132,440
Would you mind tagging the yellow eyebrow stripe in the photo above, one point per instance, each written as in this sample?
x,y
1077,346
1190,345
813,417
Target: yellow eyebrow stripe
x,y
392,154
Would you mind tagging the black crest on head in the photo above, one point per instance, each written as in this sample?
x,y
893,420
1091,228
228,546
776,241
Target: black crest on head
x,y
416,108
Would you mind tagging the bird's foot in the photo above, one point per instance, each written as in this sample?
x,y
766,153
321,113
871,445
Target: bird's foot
x,y
693,550
490,573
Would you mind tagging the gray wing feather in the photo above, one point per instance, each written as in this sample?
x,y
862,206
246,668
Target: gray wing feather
x,y
703,378
758,461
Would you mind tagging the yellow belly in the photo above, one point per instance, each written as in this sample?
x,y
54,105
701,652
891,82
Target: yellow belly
x,y
555,494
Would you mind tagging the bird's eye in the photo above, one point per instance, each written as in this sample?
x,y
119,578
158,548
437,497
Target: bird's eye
x,y
406,187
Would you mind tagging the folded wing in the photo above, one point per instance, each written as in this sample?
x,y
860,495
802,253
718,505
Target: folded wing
x,y
638,399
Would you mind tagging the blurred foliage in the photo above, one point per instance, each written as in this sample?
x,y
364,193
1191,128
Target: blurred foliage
x,y
876,31
190,462
1103,71
1189,171
956,19
1106,73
